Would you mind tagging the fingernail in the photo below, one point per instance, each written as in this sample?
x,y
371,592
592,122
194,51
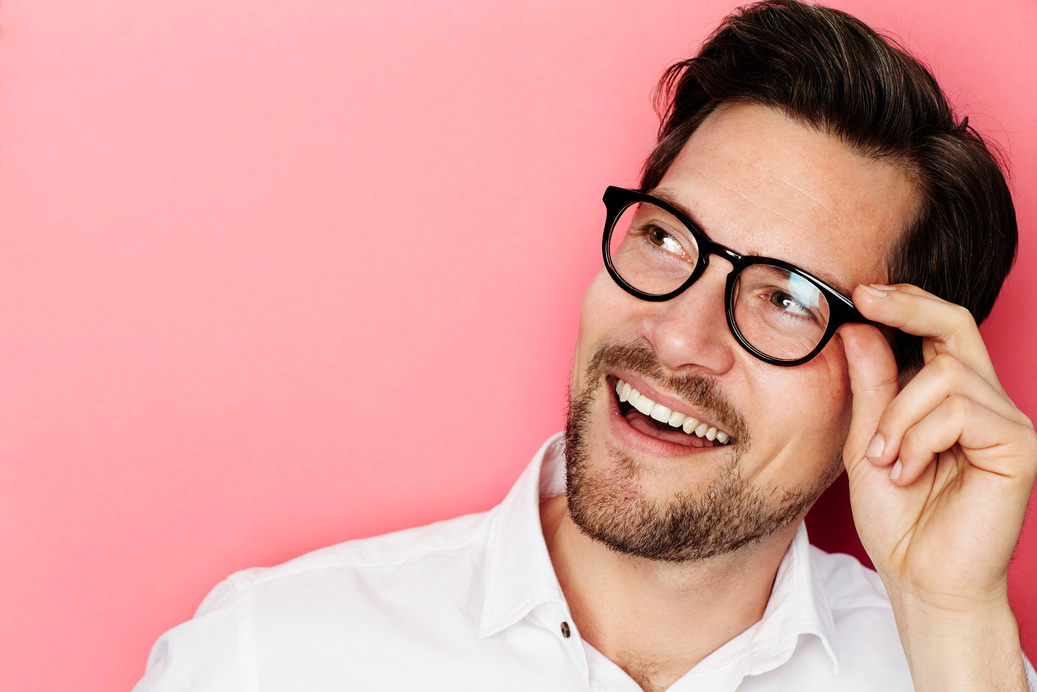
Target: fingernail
x,y
875,447
876,292
884,287
894,473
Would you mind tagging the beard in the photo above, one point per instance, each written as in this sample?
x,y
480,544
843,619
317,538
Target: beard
x,y
609,505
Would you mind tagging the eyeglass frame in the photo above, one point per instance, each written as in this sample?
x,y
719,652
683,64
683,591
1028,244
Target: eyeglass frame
x,y
618,199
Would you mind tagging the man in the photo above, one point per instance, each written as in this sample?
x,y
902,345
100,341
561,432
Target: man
x,y
758,327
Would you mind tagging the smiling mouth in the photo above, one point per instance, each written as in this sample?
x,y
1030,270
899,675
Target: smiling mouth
x,y
657,420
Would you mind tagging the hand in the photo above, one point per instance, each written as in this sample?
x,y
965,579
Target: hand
x,y
940,471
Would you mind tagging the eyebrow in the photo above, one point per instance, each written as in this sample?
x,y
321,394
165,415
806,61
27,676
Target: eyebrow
x,y
687,213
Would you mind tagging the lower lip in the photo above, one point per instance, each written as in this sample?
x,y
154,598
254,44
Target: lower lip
x,y
636,441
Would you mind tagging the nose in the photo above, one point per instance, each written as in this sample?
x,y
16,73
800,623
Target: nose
x,y
690,331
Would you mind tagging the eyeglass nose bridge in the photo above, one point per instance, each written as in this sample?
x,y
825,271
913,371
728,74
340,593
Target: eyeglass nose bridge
x,y
707,247
739,262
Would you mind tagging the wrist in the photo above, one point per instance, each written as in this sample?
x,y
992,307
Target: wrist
x,y
952,643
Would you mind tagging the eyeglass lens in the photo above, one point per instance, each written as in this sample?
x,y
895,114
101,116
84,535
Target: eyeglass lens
x,y
779,312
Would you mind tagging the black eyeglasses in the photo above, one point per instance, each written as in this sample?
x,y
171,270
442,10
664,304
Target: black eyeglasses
x,y
776,311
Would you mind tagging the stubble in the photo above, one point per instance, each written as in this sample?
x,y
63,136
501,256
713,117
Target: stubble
x,y
606,499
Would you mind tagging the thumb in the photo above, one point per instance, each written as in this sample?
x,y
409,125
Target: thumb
x,y
873,382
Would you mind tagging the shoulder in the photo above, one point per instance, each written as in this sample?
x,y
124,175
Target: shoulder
x,y
350,596
396,561
386,551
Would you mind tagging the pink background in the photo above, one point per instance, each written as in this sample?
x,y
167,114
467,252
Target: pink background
x,y
275,275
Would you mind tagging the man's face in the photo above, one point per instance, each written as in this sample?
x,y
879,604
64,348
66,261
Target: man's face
x,y
760,184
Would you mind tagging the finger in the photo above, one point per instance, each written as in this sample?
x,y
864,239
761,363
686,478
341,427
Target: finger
x,y
949,328
873,382
941,378
987,441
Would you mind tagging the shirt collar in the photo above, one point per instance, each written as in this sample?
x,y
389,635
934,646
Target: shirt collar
x,y
517,570
518,575
798,605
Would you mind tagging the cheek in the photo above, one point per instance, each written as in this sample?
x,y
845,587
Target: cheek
x,y
811,402
606,315
589,327
834,378
830,403
598,302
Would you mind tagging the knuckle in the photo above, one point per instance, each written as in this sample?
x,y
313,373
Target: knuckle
x,y
964,319
959,406
1027,423
913,449
1031,445
1031,437
946,366
908,445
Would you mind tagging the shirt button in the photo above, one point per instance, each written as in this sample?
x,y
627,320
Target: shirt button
x,y
565,629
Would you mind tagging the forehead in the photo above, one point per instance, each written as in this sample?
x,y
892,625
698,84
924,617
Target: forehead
x,y
764,184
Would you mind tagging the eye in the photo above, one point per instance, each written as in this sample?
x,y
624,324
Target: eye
x,y
785,302
652,247
787,294
658,236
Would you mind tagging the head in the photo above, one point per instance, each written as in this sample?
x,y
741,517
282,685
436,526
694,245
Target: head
x,y
828,70
797,133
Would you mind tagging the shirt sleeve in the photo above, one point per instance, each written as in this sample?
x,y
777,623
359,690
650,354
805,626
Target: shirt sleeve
x,y
205,654
1031,676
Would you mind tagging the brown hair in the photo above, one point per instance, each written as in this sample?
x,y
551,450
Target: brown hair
x,y
832,72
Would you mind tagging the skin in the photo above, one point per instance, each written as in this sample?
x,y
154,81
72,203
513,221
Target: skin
x,y
763,184
940,475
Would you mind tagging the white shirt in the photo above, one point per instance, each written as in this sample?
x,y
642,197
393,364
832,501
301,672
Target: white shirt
x,y
474,604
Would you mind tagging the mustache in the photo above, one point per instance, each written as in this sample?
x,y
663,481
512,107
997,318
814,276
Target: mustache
x,y
701,391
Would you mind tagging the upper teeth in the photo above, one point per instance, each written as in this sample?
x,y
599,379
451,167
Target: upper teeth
x,y
664,415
